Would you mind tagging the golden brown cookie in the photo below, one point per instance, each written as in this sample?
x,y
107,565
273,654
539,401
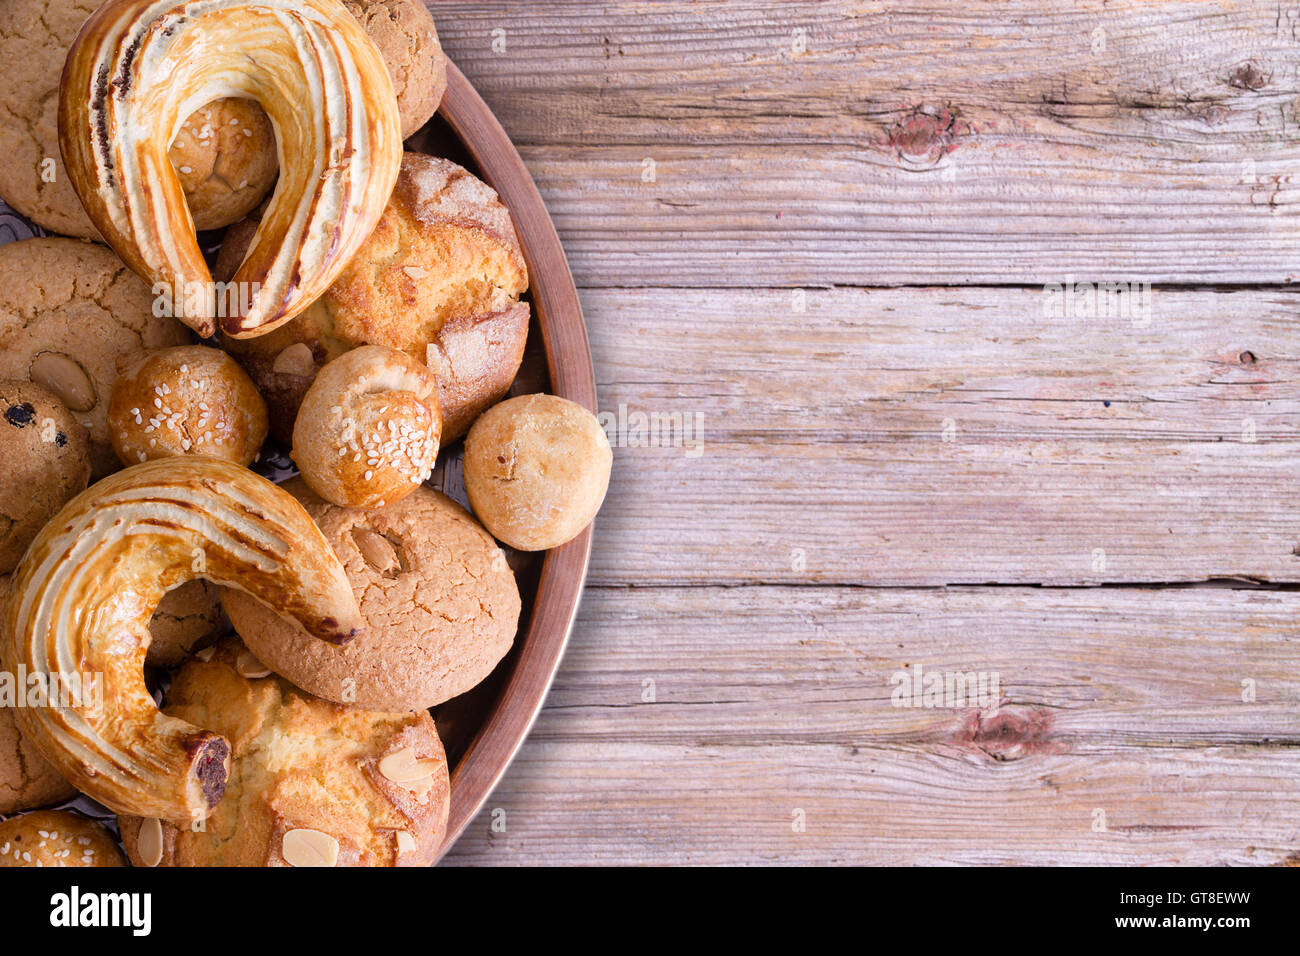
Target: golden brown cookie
x,y
185,400
225,157
57,838
406,36
444,259
26,780
33,46
536,470
368,429
187,618
46,456
438,599
311,783
70,312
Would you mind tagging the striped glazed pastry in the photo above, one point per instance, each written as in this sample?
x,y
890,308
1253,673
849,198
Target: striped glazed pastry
x,y
140,67
83,595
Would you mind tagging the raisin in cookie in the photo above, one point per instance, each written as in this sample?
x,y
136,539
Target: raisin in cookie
x,y
46,456
71,314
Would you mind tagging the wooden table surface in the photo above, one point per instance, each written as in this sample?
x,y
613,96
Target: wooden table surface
x,y
827,233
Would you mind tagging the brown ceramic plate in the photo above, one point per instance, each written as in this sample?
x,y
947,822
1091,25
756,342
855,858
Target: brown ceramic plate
x,y
483,729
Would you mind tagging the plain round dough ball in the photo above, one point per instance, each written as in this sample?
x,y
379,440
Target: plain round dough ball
x,y
46,457
439,601
226,160
536,470
57,838
188,400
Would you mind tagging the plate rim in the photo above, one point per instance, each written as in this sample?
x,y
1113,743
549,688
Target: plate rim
x,y
564,569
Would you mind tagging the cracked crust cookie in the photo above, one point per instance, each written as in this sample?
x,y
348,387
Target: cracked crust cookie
x,y
26,780
408,40
311,783
47,461
438,279
34,42
57,838
70,312
439,601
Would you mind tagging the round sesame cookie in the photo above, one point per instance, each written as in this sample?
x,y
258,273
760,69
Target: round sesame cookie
x,y
438,599
311,783
57,838
185,400
70,313
226,160
367,433
47,461
33,45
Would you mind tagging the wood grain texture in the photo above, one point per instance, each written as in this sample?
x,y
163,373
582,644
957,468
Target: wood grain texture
x,y
937,474
1128,701
982,142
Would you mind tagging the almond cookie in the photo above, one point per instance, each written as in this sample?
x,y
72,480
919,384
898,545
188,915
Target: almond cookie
x,y
70,312
46,457
33,46
311,783
57,838
368,429
439,603
187,400
439,279
536,470
405,34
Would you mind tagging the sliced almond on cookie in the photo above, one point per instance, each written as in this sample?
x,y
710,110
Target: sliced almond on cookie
x,y
247,665
296,359
307,847
149,842
376,549
65,377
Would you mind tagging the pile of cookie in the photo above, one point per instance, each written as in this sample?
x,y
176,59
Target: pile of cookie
x,y
295,635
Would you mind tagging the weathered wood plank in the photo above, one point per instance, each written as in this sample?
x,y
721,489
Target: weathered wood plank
x,y
934,513
891,365
771,700
982,142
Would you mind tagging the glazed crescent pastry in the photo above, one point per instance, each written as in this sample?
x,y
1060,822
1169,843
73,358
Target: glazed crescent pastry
x,y
140,67
84,593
